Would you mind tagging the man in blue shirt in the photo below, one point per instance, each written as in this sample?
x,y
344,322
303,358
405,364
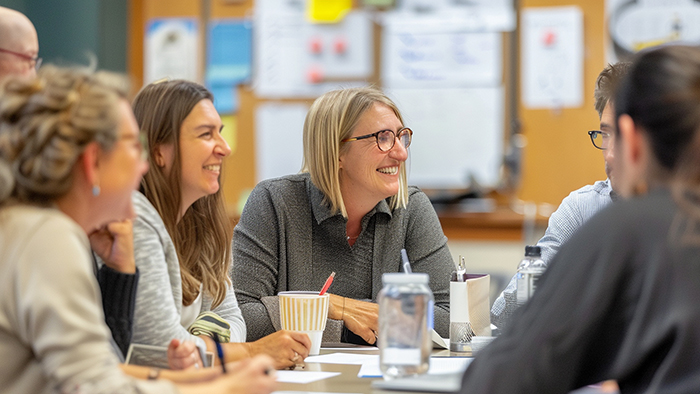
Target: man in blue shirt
x,y
581,204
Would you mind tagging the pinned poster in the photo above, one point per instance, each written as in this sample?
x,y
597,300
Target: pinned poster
x,y
328,11
225,98
552,57
171,49
229,60
229,53
635,25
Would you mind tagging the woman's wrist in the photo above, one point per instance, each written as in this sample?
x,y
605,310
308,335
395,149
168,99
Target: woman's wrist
x,y
337,310
153,373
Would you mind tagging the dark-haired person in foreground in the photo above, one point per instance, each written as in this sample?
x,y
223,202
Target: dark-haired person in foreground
x,y
619,300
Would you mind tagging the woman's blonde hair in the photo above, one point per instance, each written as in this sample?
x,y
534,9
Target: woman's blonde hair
x,y
202,236
45,125
332,118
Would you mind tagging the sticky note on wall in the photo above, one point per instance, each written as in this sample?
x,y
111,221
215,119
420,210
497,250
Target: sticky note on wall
x,y
328,11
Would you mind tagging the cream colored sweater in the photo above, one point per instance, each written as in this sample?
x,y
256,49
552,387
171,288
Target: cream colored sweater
x,y
52,332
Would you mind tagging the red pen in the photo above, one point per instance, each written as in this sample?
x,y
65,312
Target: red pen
x,y
327,284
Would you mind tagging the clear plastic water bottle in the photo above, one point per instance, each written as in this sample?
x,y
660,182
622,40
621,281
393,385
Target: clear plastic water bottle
x,y
529,271
405,324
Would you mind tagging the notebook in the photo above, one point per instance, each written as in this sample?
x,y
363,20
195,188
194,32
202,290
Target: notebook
x,y
430,383
156,356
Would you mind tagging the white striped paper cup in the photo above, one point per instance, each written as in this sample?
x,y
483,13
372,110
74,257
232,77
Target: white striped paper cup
x,y
305,311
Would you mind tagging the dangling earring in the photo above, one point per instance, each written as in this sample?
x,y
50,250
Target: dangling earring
x,y
95,190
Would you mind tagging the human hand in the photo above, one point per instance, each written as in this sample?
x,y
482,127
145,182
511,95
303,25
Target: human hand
x,y
183,355
286,348
360,317
114,243
251,376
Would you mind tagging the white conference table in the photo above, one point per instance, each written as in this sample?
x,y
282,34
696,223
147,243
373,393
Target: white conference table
x,y
349,382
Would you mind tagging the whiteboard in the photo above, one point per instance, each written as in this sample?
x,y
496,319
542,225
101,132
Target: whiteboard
x,y
458,133
447,81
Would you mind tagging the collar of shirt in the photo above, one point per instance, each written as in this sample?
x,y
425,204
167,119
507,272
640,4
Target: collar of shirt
x,y
322,211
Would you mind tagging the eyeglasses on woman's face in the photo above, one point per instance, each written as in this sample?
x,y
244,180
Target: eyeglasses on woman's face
x,y
387,138
600,139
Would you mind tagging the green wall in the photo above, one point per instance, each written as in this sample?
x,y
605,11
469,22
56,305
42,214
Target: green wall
x,y
73,31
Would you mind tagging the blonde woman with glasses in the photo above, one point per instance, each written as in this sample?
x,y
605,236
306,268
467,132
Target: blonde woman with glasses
x,y
349,211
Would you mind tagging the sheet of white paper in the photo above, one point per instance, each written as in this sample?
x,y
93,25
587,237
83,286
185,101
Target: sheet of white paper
x,y
342,358
171,49
291,53
438,341
306,392
474,15
303,376
278,139
438,56
552,57
438,365
350,349
458,134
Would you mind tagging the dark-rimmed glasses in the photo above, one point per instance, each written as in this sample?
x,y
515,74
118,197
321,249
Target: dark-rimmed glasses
x,y
34,60
600,139
387,138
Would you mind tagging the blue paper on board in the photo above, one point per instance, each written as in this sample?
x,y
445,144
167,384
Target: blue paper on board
x,y
229,52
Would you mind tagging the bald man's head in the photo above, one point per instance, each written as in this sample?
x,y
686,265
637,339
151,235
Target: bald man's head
x,y
19,44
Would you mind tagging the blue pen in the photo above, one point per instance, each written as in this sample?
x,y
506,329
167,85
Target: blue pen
x,y
219,351
406,264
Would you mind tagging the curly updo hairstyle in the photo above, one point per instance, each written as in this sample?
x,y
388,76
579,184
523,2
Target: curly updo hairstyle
x,y
45,125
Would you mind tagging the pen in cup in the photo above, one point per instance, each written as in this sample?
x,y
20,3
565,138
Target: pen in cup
x,y
326,285
219,351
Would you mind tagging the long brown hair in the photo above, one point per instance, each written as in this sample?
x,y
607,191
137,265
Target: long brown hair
x,y
202,237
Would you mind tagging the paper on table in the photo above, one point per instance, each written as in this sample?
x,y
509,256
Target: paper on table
x,y
438,365
342,358
349,348
303,376
438,341
306,392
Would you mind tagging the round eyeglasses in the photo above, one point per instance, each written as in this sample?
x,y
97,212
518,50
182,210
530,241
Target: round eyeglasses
x,y
387,138
600,139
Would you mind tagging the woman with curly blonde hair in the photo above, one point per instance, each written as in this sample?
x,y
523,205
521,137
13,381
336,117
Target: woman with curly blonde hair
x,y
70,157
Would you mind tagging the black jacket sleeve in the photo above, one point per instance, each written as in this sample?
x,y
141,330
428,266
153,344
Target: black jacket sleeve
x,y
118,301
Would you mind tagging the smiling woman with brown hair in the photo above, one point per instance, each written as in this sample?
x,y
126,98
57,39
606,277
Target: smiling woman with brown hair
x,y
182,232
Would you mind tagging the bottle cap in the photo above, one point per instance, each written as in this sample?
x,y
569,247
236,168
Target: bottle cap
x,y
533,251
401,278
